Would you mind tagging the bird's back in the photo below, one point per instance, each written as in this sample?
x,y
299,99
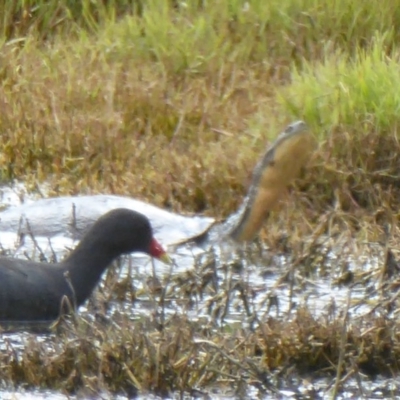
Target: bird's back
x,y
30,291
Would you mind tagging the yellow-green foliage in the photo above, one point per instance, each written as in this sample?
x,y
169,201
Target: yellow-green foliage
x,y
174,101
360,92
353,105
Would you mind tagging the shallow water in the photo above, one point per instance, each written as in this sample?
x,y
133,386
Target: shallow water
x,y
303,389
277,288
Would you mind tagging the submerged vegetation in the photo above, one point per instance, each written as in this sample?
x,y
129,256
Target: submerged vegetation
x,y
173,102
161,347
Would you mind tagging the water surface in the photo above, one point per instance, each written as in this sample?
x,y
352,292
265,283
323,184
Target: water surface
x,y
279,285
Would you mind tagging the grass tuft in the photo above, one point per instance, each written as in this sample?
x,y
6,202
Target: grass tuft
x,y
174,102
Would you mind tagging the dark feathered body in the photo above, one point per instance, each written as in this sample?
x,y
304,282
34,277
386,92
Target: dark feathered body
x,y
33,291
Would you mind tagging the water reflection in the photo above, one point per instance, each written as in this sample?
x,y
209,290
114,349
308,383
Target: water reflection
x,y
274,284
305,388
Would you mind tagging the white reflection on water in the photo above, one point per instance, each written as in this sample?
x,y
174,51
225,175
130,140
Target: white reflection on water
x,y
319,292
305,389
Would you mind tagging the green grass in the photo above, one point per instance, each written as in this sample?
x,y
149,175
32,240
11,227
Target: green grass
x,y
171,101
353,106
361,93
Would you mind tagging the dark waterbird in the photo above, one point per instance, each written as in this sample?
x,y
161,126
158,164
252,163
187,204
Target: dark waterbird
x,y
279,165
33,291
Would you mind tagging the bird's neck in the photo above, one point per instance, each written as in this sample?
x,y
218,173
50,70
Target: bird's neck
x,y
85,265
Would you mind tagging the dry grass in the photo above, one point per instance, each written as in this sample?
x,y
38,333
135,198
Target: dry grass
x,y
166,352
157,101
173,102
186,356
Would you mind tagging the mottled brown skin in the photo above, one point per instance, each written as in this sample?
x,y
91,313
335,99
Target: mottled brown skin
x,y
279,166
276,169
32,291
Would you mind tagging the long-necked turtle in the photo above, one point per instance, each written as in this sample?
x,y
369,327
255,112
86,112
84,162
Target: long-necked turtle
x,y
277,168
72,216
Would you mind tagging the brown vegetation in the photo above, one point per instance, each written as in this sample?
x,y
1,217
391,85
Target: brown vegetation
x,y
173,102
